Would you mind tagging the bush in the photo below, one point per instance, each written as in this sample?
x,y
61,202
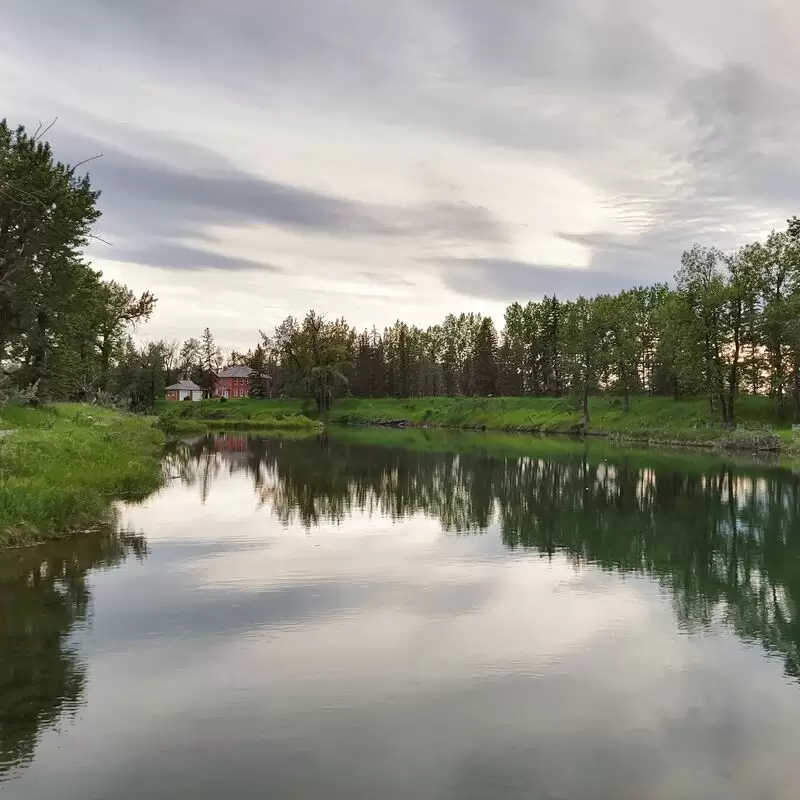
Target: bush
x,y
12,395
751,439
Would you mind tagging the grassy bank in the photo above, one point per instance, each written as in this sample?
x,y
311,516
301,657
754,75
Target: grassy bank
x,y
651,419
62,466
234,415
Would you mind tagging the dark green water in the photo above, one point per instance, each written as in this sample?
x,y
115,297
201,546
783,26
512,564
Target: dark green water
x,y
362,616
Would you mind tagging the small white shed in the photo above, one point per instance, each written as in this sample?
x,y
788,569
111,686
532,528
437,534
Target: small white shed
x,y
184,390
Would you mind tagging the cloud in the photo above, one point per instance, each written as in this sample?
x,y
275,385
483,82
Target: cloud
x,y
520,281
454,148
169,255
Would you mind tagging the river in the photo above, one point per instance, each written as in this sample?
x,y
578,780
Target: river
x,y
389,615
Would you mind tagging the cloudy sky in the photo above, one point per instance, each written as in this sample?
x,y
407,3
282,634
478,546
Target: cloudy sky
x,y
380,160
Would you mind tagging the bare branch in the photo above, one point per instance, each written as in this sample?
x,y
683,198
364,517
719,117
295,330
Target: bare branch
x,y
41,133
85,161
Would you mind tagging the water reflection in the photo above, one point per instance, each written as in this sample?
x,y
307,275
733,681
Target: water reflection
x,y
723,538
44,595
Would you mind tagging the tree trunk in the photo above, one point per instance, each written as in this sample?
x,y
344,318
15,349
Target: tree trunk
x,y
626,399
585,406
105,361
796,384
38,354
754,367
723,406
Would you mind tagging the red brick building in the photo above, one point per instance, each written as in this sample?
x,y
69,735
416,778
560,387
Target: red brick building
x,y
233,382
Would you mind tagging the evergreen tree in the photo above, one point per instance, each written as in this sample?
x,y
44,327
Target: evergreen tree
x,y
210,361
486,359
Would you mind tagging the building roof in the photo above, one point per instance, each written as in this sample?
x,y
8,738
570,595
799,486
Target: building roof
x,y
184,386
236,371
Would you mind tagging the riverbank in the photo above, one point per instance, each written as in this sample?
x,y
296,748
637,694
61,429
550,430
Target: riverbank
x,y
178,419
651,420
62,466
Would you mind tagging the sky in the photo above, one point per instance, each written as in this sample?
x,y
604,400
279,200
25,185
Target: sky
x,y
379,160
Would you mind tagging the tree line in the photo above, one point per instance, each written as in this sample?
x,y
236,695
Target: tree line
x,y
730,324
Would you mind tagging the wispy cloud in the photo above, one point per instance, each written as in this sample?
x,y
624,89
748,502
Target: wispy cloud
x,y
455,152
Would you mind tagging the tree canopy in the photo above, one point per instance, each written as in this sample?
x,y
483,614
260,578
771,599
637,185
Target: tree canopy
x,y
62,326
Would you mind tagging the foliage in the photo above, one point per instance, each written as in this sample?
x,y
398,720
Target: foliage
x,y
314,356
61,323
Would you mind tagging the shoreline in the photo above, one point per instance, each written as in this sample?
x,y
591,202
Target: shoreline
x,y
65,465
659,422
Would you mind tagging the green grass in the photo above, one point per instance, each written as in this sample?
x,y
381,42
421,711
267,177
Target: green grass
x,y
234,415
63,465
650,419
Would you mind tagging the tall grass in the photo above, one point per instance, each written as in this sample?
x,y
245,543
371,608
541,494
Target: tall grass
x,y
62,466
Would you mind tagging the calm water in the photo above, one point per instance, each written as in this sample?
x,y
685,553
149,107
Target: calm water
x,y
339,618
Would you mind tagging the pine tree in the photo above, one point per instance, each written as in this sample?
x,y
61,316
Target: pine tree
x,y
210,361
485,359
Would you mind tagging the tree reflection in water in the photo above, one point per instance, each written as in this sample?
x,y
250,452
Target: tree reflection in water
x,y
44,595
723,538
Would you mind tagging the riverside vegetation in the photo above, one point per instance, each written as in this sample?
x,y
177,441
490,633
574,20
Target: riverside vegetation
x,y
655,420
62,466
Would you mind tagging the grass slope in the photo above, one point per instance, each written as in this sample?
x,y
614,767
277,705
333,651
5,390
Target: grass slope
x,y
650,419
62,466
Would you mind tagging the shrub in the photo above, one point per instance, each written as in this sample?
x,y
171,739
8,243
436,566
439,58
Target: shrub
x,y
751,439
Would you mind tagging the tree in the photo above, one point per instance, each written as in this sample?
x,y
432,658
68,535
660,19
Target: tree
x,y
741,296
190,360
617,321
313,356
61,324
46,213
512,352
118,308
210,362
699,320
142,373
777,262
485,360
584,334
